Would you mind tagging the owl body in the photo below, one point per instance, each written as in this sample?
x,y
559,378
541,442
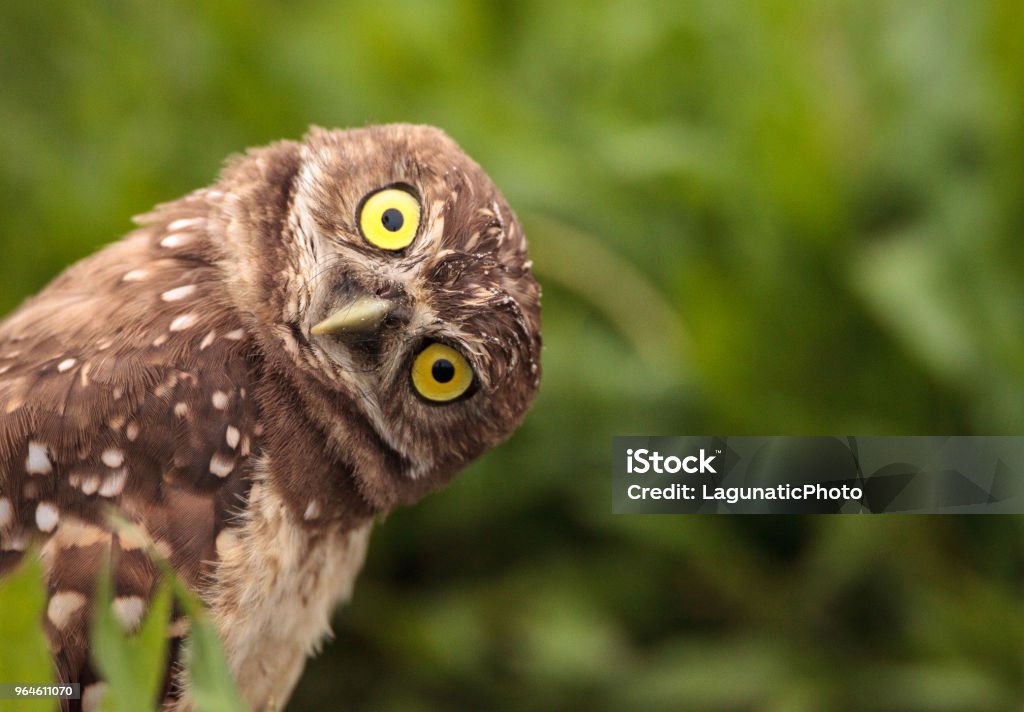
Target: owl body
x,y
264,367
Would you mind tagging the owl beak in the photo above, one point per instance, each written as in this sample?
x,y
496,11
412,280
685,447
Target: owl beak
x,y
360,315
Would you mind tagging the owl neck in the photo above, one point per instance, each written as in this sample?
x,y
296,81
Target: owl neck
x,y
314,476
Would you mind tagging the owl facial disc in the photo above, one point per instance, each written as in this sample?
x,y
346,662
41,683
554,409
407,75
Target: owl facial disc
x,y
360,315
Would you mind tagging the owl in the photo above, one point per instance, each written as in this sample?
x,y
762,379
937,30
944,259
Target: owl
x,y
252,377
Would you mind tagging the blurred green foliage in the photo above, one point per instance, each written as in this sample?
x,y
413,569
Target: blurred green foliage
x,y
24,656
749,217
132,664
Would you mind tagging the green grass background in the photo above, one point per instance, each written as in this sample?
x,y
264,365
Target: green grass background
x,y
748,217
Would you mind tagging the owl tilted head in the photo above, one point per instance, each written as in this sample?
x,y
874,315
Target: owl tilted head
x,y
386,281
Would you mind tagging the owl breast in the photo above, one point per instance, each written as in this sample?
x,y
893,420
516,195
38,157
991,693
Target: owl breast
x,y
276,586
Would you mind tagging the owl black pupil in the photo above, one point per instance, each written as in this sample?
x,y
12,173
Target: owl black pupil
x,y
392,220
443,370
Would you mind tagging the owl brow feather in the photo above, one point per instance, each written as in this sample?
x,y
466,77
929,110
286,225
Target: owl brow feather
x,y
326,267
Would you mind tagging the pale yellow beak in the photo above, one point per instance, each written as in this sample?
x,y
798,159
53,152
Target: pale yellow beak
x,y
361,315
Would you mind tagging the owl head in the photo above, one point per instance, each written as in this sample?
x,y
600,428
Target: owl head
x,y
386,282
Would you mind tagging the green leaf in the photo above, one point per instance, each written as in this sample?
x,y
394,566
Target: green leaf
x,y
134,665
210,682
24,655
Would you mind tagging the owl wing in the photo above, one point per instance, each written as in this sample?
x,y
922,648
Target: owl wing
x,y
123,385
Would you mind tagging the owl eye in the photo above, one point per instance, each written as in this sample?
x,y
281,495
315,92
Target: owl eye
x,y
440,373
389,218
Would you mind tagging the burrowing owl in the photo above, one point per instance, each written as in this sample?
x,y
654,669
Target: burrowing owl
x,y
256,373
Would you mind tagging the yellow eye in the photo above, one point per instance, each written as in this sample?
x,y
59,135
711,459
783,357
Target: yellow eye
x,y
389,218
440,373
